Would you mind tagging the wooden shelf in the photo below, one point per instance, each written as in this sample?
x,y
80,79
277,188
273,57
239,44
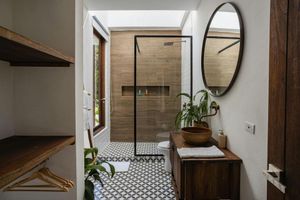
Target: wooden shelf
x,y
21,51
20,154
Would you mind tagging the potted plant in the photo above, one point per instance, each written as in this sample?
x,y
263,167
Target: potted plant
x,y
92,168
195,130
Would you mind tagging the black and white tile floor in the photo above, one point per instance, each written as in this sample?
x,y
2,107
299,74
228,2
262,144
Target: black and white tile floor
x,y
124,151
146,178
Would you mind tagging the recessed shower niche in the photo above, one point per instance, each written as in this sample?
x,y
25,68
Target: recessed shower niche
x,y
146,91
148,70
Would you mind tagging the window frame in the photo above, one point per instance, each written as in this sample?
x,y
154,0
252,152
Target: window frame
x,y
101,68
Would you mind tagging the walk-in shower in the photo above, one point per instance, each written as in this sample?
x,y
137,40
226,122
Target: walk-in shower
x,y
162,70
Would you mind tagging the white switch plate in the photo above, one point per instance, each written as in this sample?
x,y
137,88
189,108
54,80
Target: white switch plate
x,y
250,127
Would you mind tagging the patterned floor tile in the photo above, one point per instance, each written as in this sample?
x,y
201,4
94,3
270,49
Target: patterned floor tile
x,y
144,180
124,151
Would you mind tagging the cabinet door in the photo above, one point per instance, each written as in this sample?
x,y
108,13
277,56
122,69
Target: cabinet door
x,y
211,180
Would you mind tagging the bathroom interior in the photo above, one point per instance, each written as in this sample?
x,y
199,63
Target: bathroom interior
x,y
137,99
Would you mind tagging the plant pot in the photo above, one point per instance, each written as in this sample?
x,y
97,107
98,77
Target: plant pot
x,y
196,135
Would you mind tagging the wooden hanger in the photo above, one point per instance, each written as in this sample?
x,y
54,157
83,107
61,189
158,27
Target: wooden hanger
x,y
65,182
52,183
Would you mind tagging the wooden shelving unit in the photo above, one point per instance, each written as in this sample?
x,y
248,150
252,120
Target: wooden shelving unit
x,y
20,154
21,51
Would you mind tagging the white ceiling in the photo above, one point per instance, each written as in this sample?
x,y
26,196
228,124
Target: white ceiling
x,y
145,18
142,4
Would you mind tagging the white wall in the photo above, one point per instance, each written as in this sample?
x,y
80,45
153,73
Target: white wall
x,y
6,79
248,98
80,185
102,138
6,101
6,13
45,97
185,68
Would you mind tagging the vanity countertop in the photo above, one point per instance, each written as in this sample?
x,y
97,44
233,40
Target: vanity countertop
x,y
178,142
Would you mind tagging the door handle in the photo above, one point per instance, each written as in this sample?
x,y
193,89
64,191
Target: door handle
x,y
274,176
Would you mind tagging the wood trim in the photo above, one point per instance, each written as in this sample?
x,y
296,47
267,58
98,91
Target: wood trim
x,y
292,160
39,64
34,53
101,87
277,90
20,154
102,83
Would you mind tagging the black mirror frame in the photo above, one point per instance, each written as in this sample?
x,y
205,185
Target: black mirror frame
x,y
239,62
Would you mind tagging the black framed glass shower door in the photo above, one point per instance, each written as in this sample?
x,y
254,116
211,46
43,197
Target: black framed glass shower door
x,y
162,69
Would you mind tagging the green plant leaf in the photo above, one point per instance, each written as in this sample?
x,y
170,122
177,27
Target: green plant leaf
x,y
93,172
191,112
93,168
89,190
178,119
88,161
184,94
100,168
111,167
93,151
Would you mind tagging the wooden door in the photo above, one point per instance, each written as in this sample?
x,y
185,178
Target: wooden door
x,y
284,98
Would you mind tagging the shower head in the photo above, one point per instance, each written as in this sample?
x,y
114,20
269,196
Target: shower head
x,y
173,42
168,43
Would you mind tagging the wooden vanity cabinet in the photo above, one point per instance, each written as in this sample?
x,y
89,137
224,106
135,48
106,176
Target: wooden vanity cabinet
x,y
204,178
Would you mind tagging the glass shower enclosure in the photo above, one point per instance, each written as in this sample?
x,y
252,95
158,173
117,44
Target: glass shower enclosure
x,y
162,69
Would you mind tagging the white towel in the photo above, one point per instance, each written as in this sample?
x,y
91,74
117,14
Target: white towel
x,y
200,152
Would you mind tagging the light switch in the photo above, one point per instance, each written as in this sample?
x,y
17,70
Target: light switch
x,y
250,127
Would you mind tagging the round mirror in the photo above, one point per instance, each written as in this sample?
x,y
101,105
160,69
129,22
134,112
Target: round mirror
x,y
222,49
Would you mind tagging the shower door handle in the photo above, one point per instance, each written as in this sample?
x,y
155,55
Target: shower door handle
x,y
274,176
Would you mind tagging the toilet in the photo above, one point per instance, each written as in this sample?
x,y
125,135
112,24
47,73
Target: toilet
x,y
164,148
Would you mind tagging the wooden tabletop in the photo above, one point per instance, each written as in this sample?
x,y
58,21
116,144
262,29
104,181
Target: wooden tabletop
x,y
179,143
20,154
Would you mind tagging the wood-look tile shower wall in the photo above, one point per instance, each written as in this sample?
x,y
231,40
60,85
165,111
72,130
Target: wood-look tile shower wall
x,y
159,66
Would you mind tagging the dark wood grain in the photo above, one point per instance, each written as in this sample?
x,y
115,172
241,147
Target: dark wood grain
x,y
293,107
277,89
20,154
204,178
21,51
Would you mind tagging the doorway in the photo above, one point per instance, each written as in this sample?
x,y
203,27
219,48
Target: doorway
x,y
284,96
